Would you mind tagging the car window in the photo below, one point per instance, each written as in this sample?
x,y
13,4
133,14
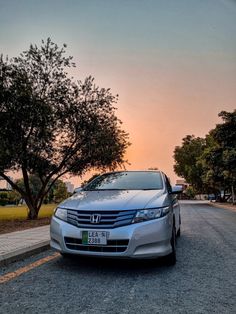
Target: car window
x,y
138,180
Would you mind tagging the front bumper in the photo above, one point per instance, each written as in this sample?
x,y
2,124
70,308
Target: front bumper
x,y
148,239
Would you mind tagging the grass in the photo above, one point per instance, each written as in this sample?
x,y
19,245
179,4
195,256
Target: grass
x,y
20,212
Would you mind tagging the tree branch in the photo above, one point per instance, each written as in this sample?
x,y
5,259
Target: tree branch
x,y
60,167
14,185
26,182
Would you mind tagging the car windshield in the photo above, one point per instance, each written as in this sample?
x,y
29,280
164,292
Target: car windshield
x,y
140,180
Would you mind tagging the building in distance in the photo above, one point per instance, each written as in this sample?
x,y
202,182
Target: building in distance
x,y
70,187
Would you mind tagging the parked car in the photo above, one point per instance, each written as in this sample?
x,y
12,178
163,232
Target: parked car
x,y
133,214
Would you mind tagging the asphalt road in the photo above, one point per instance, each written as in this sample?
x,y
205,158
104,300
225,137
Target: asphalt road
x,y
203,280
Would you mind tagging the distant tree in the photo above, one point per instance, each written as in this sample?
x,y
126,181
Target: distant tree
x,y
51,125
186,161
190,192
59,191
90,179
9,197
35,184
3,198
14,197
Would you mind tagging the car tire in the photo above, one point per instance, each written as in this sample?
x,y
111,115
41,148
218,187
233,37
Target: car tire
x,y
171,258
179,232
66,255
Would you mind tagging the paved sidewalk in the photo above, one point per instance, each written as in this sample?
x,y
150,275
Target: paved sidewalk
x,y
19,244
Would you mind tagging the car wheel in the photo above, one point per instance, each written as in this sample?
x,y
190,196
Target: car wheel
x,y
171,258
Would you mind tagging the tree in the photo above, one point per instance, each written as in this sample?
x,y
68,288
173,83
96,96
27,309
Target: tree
x,y
186,161
14,197
9,197
3,198
210,164
219,156
59,191
34,182
90,179
190,192
51,125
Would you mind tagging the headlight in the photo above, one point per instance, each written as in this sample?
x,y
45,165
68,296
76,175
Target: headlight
x,y
151,213
61,213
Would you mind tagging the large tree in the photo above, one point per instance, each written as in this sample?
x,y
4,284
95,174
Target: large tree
x,y
210,164
219,157
51,125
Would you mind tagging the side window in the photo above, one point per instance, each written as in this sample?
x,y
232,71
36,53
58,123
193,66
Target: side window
x,y
168,185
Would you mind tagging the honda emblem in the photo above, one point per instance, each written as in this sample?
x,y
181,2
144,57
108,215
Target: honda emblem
x,y
95,218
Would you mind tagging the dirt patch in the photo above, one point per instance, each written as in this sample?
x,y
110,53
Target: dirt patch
x,y
7,226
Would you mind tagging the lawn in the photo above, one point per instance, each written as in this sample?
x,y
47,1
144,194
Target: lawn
x,y
20,212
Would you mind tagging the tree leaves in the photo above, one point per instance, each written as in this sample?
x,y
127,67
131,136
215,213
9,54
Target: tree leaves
x,y
210,163
50,124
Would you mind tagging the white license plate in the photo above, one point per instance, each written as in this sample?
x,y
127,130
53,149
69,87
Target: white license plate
x,y
94,237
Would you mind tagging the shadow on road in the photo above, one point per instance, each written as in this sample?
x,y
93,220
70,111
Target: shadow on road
x,y
108,265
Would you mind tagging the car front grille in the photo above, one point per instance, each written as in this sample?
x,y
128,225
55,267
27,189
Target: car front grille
x,y
108,219
114,246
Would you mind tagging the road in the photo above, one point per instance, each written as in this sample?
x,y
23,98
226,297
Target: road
x,y
203,280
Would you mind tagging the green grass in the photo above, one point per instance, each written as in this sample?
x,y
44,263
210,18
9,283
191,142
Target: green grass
x,y
20,212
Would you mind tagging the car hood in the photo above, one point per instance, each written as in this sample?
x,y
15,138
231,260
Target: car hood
x,y
114,200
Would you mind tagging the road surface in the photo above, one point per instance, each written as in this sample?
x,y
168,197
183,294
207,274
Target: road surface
x,y
203,280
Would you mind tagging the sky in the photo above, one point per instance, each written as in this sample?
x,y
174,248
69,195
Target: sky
x,y
173,63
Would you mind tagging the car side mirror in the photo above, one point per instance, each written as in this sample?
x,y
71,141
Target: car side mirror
x,y
177,189
77,190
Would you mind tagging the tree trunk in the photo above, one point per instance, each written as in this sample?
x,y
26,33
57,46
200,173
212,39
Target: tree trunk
x,y
32,214
33,210
233,196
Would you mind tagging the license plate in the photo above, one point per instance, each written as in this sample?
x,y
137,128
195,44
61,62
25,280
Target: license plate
x,y
94,237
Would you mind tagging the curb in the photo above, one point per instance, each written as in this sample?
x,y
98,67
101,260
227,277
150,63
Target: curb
x,y
22,253
224,206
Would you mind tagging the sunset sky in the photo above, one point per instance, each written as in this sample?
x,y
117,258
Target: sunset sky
x,y
173,63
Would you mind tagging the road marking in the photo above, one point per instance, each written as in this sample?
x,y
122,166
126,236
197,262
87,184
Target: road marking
x,y
25,269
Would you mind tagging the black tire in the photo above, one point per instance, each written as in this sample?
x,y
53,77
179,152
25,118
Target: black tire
x,y
179,232
171,258
66,255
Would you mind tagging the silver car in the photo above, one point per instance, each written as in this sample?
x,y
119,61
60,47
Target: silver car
x,y
131,214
